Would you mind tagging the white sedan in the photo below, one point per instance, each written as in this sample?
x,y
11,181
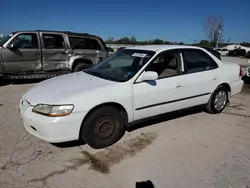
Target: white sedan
x,y
97,104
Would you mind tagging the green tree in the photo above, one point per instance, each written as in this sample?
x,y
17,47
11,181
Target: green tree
x,y
133,40
213,29
124,40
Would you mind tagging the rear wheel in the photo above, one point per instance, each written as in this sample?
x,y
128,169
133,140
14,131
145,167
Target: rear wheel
x,y
81,66
218,100
104,127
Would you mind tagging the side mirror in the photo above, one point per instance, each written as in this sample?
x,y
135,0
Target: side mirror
x,y
11,46
148,76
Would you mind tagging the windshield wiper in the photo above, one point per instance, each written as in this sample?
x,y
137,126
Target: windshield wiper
x,y
100,75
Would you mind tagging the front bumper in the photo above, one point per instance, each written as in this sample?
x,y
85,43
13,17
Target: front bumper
x,y
51,129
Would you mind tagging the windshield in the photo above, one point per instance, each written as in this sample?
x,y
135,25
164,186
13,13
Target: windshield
x,y
3,40
122,65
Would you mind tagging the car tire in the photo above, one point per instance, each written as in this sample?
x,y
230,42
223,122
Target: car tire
x,y
81,66
103,127
217,101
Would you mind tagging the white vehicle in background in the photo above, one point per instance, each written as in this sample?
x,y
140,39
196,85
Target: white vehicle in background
x,y
224,52
97,104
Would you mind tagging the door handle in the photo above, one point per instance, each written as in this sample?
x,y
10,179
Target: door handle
x,y
179,86
215,78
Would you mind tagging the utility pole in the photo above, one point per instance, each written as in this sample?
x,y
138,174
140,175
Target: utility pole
x,y
218,35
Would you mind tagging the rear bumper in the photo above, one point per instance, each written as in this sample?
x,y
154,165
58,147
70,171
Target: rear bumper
x,y
236,87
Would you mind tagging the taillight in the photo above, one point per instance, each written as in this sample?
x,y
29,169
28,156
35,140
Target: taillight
x,y
241,72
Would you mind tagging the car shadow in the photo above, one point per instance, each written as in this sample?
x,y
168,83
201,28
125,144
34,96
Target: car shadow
x,y
164,117
4,82
140,124
70,144
246,79
144,184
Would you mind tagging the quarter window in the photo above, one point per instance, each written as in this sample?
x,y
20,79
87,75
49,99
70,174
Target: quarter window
x,y
84,43
94,44
26,41
53,41
197,60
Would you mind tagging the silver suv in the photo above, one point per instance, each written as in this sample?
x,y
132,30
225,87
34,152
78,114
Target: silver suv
x,y
42,53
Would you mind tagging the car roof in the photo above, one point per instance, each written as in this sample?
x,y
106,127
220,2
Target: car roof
x,y
55,31
159,48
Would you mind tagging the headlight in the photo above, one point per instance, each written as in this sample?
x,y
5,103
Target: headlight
x,y
53,110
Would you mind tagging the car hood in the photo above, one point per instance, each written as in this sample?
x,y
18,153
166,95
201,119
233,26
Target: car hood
x,y
61,88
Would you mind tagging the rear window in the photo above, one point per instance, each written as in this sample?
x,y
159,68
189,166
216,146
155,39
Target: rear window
x,y
78,43
84,43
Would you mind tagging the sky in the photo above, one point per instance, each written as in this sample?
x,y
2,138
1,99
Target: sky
x,y
171,20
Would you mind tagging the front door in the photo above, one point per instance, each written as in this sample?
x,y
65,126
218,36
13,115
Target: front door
x,y
54,50
22,54
164,94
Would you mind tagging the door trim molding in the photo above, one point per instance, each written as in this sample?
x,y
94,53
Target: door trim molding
x,y
177,100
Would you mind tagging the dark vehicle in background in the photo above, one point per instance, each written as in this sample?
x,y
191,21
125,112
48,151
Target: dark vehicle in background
x,y
110,51
237,52
247,55
212,51
120,48
43,54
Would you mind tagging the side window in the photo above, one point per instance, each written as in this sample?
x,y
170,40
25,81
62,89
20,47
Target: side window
x,y
94,44
53,41
166,64
197,60
26,41
78,42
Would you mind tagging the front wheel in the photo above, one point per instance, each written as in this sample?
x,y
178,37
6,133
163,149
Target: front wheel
x,y
103,127
218,100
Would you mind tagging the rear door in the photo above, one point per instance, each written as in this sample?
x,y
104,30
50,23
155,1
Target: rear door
x,y
88,48
54,51
22,53
200,77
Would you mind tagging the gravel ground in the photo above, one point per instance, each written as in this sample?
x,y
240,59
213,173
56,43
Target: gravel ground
x,y
191,149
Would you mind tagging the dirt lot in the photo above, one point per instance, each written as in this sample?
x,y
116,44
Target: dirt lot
x,y
191,149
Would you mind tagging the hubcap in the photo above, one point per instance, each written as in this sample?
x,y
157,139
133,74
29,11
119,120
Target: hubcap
x,y
220,100
104,127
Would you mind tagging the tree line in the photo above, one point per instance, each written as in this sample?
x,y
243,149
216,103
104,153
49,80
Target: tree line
x,y
132,41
